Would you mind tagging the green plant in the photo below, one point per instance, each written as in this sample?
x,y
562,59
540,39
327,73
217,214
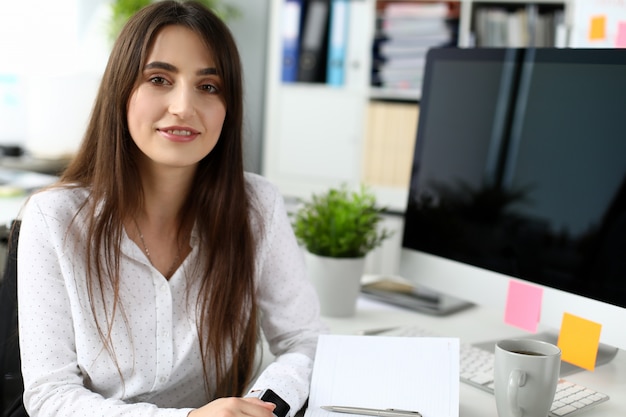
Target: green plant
x,y
340,223
121,10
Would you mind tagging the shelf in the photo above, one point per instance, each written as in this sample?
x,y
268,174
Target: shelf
x,y
319,136
379,93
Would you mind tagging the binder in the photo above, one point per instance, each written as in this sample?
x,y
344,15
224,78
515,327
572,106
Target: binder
x,y
313,42
355,71
292,14
337,40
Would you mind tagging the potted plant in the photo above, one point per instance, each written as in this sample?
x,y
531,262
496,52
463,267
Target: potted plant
x,y
121,10
337,229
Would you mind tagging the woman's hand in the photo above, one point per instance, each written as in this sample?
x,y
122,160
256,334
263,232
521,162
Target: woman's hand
x,y
235,407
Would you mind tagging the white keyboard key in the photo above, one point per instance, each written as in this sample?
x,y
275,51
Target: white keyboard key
x,y
482,378
557,404
598,396
564,410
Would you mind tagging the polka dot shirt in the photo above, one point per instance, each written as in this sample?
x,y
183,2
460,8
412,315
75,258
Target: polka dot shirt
x,y
67,370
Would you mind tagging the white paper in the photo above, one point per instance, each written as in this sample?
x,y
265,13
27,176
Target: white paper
x,y
409,373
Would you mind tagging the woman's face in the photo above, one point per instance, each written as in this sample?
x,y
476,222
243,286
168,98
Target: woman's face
x,y
176,113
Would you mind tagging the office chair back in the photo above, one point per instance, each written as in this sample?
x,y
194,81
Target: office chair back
x,y
11,383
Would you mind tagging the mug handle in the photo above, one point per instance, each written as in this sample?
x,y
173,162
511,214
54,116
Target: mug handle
x,y
517,378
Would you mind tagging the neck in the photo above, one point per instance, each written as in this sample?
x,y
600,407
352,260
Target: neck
x,y
164,243
160,228
165,190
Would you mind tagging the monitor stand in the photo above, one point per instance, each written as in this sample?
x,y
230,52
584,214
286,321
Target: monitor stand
x,y
605,354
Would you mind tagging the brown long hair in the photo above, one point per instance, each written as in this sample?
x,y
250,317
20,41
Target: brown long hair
x,y
220,204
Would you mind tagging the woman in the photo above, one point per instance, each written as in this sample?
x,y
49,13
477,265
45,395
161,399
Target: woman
x,y
144,274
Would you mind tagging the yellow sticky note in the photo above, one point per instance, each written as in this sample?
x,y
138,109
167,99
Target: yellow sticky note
x,y
579,340
597,28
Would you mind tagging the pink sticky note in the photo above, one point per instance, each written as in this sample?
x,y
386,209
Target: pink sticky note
x,y
523,305
620,41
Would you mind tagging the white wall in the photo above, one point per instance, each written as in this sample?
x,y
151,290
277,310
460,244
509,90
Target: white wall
x,y
53,54
251,33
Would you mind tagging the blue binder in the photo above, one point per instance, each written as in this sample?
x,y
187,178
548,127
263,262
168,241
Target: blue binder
x,y
337,42
292,17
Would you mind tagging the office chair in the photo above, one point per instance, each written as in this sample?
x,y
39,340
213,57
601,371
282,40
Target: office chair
x,y
11,383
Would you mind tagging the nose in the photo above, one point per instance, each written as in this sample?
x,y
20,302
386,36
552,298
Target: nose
x,y
182,102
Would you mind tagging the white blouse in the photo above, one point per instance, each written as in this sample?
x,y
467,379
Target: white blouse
x,y
68,372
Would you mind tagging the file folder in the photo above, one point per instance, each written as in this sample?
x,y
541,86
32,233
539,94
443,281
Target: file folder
x,y
292,14
313,42
337,40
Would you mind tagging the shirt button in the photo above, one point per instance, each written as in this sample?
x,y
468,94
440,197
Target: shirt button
x,y
162,380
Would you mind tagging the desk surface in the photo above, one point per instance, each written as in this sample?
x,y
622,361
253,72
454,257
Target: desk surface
x,y
15,185
10,208
479,324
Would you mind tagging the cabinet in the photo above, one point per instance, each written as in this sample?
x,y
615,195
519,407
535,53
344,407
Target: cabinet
x,y
317,136
313,132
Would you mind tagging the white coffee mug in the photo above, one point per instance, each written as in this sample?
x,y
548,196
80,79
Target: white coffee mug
x,y
525,377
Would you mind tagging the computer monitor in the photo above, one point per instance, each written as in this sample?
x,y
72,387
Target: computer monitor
x,y
519,173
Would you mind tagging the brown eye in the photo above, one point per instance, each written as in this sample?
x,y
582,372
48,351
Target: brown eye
x,y
209,88
158,81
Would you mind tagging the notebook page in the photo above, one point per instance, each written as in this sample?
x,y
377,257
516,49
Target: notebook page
x,y
410,373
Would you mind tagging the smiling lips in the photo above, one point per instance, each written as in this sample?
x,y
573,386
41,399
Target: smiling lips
x,y
178,134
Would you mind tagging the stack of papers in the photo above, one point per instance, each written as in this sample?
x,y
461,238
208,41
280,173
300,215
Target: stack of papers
x,y
386,372
25,180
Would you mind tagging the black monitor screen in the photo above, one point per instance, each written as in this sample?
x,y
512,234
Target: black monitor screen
x,y
520,166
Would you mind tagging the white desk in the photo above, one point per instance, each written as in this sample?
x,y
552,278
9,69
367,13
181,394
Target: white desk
x,y
10,208
479,324
23,181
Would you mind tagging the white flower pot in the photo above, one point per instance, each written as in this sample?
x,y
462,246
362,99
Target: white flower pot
x,y
337,282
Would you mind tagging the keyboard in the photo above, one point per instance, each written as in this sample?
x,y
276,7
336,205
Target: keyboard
x,y
476,369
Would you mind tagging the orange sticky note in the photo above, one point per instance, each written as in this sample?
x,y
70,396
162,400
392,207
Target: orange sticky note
x,y
523,305
620,40
597,28
579,340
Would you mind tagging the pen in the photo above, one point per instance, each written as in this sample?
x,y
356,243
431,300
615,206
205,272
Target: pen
x,y
387,412
371,332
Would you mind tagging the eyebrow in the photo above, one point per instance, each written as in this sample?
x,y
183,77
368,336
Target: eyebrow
x,y
169,67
